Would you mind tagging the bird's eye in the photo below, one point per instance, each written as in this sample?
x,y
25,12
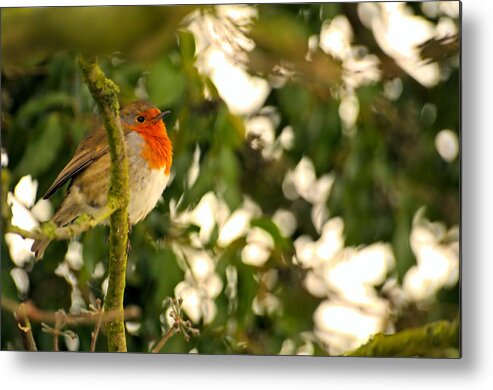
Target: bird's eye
x,y
141,119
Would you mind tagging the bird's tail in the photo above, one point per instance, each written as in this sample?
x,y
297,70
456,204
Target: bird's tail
x,y
68,211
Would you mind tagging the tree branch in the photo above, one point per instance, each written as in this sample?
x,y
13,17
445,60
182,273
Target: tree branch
x,y
412,342
25,326
82,224
29,310
104,92
50,230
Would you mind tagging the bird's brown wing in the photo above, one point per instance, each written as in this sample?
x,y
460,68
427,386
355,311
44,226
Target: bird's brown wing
x,y
90,149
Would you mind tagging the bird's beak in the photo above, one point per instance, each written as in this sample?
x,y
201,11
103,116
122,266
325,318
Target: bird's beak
x,y
161,116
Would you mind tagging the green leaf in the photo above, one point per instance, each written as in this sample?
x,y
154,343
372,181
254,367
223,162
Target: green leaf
x,y
30,111
187,46
229,129
165,84
40,153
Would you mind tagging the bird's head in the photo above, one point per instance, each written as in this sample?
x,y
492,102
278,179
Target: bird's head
x,y
143,117
147,120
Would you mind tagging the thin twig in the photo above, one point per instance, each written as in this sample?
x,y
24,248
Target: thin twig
x,y
38,315
179,325
56,331
95,333
25,326
58,326
171,332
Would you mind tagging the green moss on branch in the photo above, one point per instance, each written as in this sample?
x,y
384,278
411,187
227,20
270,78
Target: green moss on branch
x,y
412,342
105,93
49,230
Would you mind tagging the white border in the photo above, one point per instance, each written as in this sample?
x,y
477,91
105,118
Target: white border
x,y
86,371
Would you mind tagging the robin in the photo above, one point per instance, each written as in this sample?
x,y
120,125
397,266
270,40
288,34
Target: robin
x,y
149,153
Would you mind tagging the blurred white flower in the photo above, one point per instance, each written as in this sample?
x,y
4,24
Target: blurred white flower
x,y
65,271
446,27
42,210
288,347
200,286
286,138
21,280
25,191
238,223
235,227
4,157
306,349
368,266
26,215
399,32
303,177
262,129
211,211
266,304
336,36
437,257
77,301
447,145
98,271
349,110
305,252
303,180
71,341
193,172
450,8
393,88
221,50
201,264
255,254
347,277
315,284
342,327
259,245
74,255
133,327
196,303
19,249
367,12
331,240
285,221
104,286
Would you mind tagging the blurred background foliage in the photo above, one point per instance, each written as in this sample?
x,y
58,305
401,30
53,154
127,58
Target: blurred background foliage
x,y
315,192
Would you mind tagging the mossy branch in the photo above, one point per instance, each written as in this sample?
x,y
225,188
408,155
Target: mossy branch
x,y
49,229
82,224
105,93
412,342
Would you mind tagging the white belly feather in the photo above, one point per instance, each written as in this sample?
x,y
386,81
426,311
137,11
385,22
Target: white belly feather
x,y
146,184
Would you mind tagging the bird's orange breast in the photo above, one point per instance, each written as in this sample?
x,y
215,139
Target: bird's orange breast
x,y
158,151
